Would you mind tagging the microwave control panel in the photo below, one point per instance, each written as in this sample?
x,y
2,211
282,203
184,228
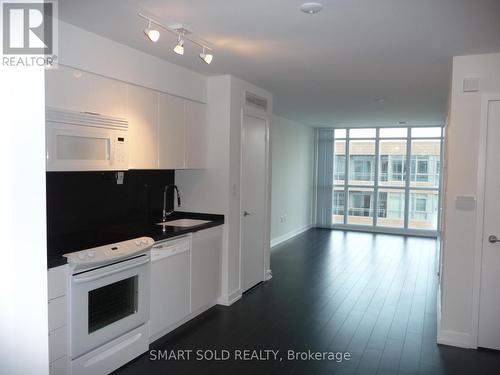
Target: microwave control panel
x,y
121,151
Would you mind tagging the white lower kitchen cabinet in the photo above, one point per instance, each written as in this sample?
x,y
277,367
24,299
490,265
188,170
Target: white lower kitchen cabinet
x,y
57,314
185,277
205,268
59,366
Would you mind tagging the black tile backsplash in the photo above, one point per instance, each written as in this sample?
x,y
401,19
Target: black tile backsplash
x,y
93,202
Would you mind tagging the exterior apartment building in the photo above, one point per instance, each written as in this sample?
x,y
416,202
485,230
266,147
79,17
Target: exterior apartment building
x,y
393,170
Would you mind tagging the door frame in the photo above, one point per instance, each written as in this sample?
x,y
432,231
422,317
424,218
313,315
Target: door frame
x,y
266,267
480,201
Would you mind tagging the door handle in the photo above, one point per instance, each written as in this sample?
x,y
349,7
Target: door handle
x,y
245,213
493,239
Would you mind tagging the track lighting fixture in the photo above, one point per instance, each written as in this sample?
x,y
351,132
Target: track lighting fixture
x,y
179,48
151,33
207,57
184,34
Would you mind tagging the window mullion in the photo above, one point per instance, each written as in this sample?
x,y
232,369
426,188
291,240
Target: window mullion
x,y
375,182
440,184
407,182
346,175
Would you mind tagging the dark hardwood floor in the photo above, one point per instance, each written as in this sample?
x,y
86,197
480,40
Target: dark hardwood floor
x,y
371,295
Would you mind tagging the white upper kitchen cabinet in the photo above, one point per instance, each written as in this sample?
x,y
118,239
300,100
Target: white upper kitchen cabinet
x,y
67,88
109,96
195,135
76,90
143,127
170,132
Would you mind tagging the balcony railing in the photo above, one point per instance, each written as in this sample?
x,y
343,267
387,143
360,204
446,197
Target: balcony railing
x,y
360,211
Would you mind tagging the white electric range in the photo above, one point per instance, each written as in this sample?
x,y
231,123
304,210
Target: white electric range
x,y
109,305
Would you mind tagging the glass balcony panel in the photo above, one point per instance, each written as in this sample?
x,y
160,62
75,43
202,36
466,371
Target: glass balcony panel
x,y
392,163
423,209
338,205
425,163
360,205
339,163
391,208
361,162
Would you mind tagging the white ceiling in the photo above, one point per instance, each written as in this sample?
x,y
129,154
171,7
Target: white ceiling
x,y
325,69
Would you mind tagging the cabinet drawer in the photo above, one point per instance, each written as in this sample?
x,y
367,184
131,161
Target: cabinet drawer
x,y
57,313
59,366
57,344
57,277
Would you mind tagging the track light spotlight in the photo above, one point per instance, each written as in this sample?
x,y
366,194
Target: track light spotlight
x,y
179,48
206,57
152,34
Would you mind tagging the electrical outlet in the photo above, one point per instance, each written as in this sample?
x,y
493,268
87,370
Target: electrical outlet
x,y
119,178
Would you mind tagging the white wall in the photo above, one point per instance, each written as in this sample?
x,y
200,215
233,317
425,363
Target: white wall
x,y
23,276
90,52
461,156
292,178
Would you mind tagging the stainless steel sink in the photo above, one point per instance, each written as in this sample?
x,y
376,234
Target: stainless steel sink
x,y
183,223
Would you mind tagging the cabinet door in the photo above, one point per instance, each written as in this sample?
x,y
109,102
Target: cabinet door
x,y
205,267
57,279
67,88
195,130
143,127
109,96
170,132
76,90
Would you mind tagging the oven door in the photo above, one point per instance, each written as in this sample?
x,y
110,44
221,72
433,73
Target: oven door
x,y
108,302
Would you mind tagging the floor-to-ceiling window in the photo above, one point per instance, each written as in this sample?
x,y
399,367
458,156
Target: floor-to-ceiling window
x,y
387,178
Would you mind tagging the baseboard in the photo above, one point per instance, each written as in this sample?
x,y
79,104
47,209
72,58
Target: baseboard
x,y
447,337
228,300
453,338
186,319
289,235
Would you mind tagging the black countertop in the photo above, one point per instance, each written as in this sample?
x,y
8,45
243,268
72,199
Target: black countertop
x,y
72,242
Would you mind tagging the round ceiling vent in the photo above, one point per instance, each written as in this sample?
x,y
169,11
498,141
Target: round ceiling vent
x,y
311,8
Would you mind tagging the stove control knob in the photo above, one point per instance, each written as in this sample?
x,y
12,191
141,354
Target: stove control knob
x,y
91,253
144,242
81,256
137,243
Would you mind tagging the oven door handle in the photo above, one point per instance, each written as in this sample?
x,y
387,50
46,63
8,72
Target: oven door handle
x,y
78,279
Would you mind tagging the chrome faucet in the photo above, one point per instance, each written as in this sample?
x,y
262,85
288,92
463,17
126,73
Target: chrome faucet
x,y
165,212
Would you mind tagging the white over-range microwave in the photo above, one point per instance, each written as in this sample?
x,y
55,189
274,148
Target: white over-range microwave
x,y
83,141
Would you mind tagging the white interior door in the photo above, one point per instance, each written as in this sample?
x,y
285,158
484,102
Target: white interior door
x,y
489,307
253,200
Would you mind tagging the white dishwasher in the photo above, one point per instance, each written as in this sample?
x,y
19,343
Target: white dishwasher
x,y
170,284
